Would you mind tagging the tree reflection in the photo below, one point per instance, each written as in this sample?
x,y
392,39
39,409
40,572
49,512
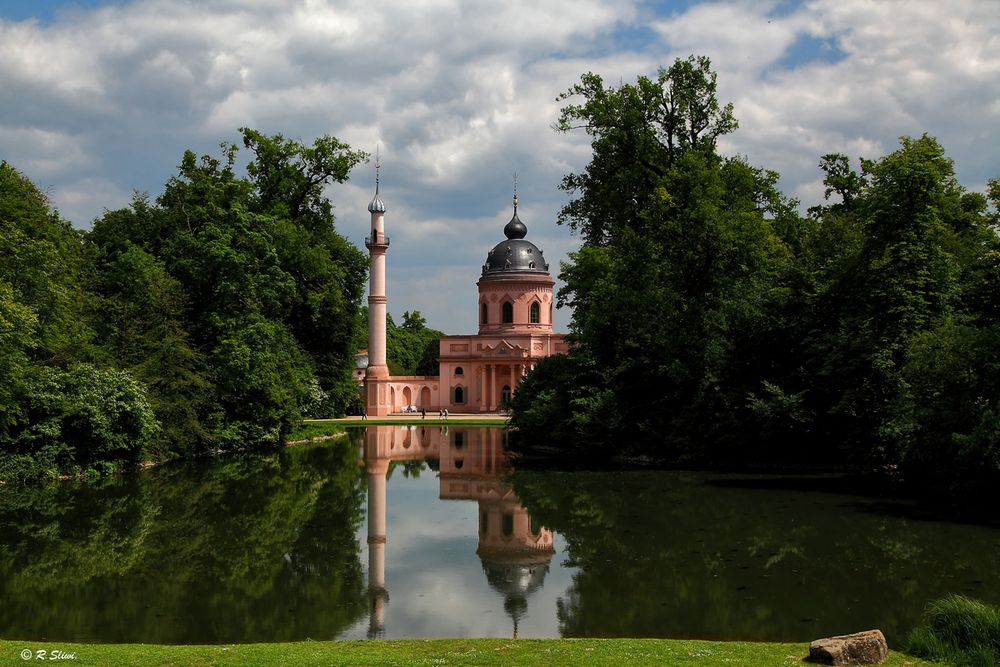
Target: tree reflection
x,y
247,549
667,554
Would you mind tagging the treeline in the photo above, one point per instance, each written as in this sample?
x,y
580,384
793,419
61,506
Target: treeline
x,y
411,347
211,318
713,324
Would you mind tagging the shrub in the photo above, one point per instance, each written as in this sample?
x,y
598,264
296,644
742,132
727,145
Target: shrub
x,y
84,418
959,630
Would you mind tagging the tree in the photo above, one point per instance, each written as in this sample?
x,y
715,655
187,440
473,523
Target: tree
x,y
412,348
45,340
85,418
18,324
141,324
912,238
254,293
328,272
45,267
679,261
639,131
413,321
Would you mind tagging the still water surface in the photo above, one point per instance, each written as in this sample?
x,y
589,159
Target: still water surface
x,y
421,532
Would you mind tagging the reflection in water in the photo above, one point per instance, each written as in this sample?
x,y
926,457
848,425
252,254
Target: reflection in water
x,y
678,554
239,550
272,548
515,551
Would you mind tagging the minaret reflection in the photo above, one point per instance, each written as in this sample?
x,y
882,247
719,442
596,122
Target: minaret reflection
x,y
515,551
376,469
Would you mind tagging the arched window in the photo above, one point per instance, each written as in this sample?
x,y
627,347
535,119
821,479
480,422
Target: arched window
x,y
459,395
507,524
508,313
458,370
484,318
535,313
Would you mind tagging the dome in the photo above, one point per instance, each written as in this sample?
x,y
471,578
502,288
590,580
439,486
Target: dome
x,y
515,254
515,229
376,204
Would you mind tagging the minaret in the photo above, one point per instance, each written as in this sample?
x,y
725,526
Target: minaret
x,y
377,375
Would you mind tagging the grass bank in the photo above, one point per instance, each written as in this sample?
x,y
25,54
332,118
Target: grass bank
x,y
506,652
325,428
307,430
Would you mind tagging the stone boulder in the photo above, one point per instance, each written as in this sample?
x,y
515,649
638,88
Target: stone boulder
x,y
861,648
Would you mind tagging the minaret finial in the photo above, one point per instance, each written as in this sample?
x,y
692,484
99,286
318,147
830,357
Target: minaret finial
x,y
377,205
515,193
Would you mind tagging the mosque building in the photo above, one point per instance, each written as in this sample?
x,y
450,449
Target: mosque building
x,y
477,373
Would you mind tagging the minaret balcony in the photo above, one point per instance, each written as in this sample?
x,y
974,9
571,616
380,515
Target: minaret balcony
x,y
377,240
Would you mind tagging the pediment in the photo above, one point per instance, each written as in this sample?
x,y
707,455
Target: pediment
x,y
504,349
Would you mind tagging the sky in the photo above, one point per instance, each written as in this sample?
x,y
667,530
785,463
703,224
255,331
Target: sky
x,y
99,99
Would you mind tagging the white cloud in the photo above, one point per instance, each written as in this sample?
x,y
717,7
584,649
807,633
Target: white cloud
x,y
86,198
459,95
42,152
744,38
904,68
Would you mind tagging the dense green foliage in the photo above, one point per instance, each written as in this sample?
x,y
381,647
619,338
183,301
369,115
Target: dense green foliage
x,y
412,347
58,411
215,317
960,631
712,323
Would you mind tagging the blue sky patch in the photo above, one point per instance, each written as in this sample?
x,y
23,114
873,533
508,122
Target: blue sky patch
x,y
47,10
809,49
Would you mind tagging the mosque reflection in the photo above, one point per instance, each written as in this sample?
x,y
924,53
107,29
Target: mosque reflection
x,y
514,550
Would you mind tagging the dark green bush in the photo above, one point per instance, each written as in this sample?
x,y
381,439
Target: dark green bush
x,y
958,630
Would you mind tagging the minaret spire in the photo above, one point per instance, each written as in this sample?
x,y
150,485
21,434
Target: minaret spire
x,y
515,193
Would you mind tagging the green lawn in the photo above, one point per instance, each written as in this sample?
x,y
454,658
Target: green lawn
x,y
506,652
314,428
309,429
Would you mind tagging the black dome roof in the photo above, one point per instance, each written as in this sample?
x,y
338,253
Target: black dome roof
x,y
515,254
515,229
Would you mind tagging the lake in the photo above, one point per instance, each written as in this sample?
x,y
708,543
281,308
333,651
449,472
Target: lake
x,y
400,532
